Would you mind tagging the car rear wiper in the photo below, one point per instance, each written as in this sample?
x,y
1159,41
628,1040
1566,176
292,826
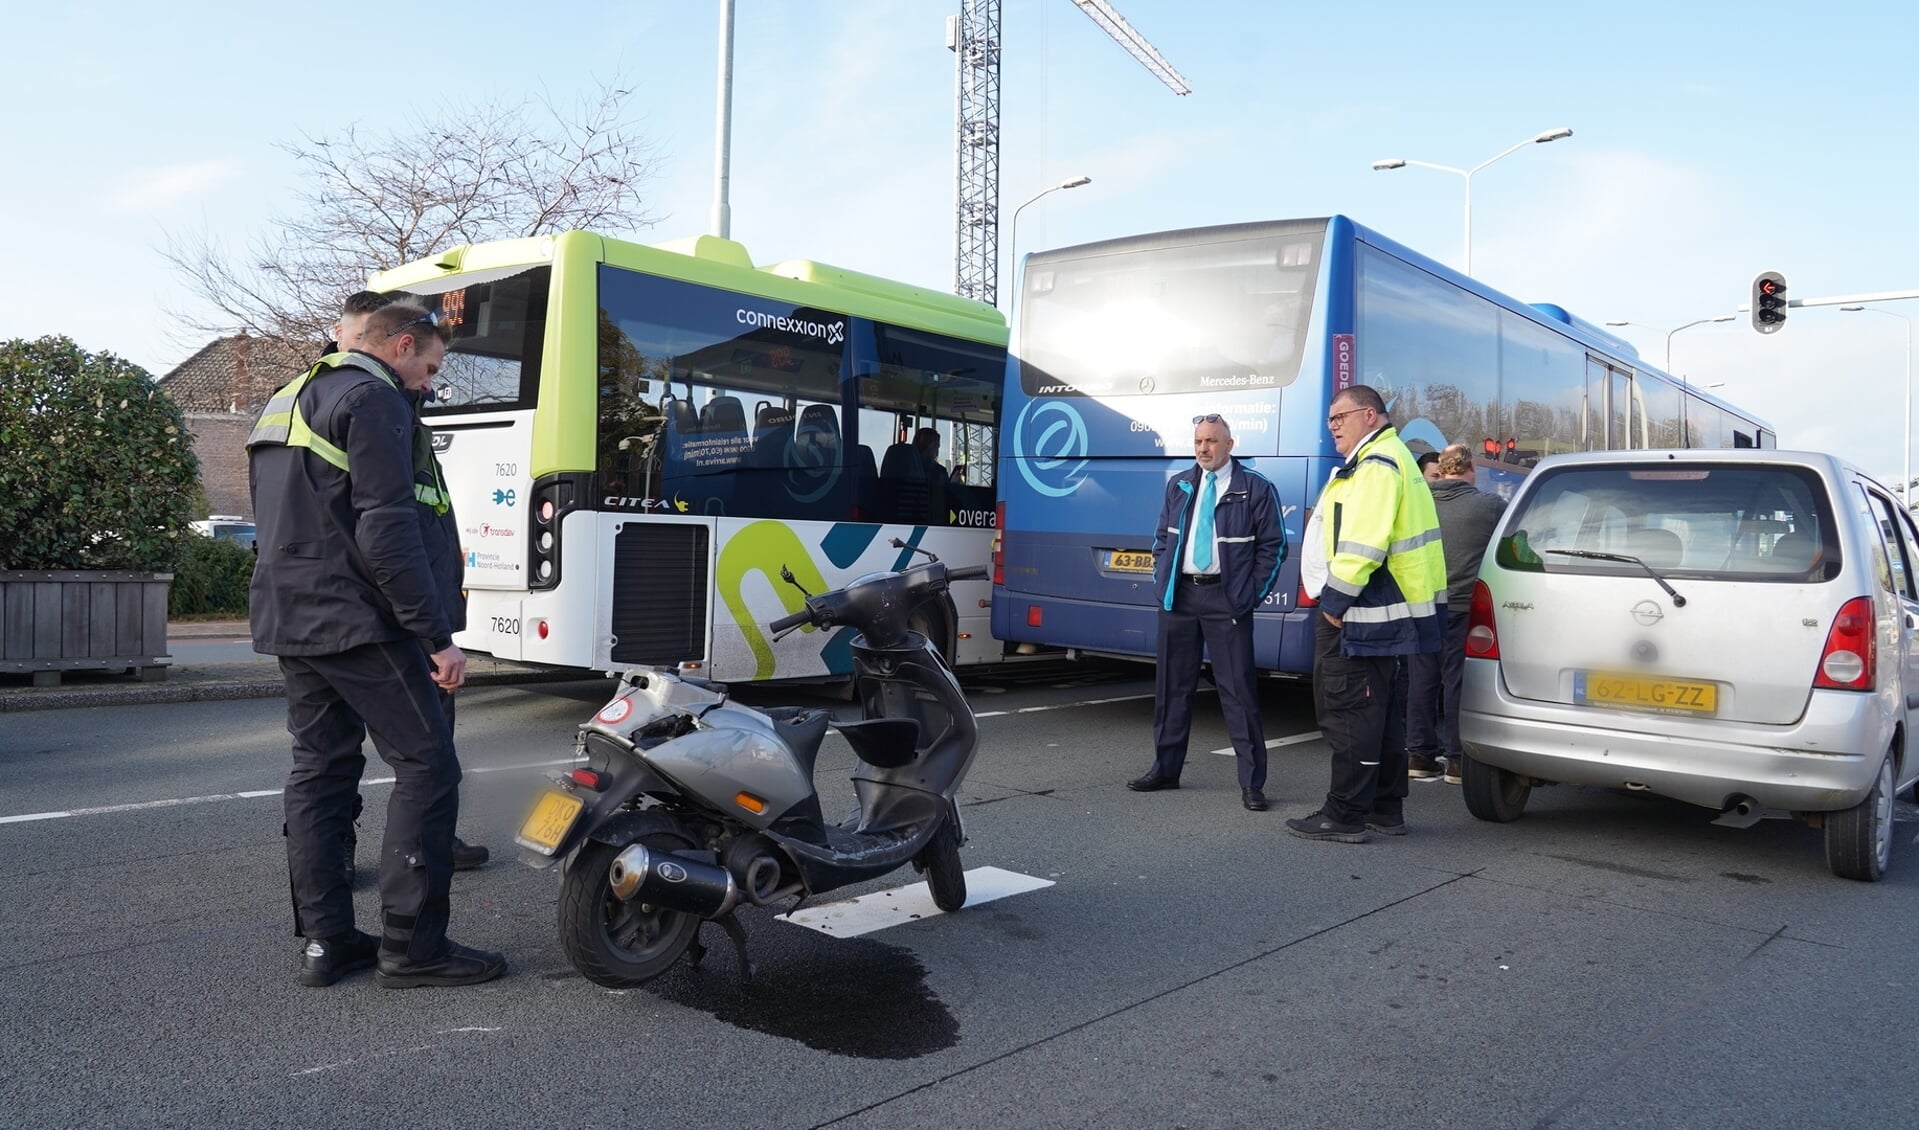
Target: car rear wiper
x,y
1595,555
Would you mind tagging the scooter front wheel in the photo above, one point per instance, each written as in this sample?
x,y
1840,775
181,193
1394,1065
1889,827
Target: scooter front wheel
x,y
620,945
945,877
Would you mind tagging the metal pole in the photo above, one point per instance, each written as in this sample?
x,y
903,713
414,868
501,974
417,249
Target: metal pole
x,y
723,139
1468,257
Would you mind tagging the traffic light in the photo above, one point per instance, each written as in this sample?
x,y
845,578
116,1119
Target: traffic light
x,y
1769,302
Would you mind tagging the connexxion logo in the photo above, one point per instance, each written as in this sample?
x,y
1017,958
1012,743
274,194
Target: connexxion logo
x,y
832,333
1050,438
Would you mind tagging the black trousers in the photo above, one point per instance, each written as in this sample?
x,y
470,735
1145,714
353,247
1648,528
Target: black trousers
x,y
1202,621
1360,701
1432,708
333,702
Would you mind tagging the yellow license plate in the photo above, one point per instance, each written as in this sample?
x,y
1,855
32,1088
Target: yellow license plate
x,y
1638,692
549,822
1126,561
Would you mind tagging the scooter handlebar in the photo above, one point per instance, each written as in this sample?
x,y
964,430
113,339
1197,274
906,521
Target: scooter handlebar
x,y
787,623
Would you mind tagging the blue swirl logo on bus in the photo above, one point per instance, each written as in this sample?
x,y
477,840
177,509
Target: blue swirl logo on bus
x,y
1054,461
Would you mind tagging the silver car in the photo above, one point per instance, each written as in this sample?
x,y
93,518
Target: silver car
x,y
1734,629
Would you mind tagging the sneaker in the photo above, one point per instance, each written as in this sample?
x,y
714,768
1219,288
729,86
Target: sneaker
x,y
1421,767
326,960
1320,826
1455,765
455,965
1387,825
468,857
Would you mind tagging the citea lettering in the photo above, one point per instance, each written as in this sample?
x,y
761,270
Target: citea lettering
x,y
832,333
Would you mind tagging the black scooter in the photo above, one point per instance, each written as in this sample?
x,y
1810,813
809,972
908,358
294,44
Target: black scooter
x,y
691,804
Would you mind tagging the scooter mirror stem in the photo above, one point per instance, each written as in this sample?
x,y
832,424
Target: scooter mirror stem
x,y
786,575
898,544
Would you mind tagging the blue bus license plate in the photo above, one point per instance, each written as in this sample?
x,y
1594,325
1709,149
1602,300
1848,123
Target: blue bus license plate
x,y
1125,561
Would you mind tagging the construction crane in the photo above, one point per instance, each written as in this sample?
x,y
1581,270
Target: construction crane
x,y
974,37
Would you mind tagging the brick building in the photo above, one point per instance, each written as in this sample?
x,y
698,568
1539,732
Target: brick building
x,y
220,390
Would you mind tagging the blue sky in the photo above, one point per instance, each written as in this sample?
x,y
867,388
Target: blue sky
x,y
127,124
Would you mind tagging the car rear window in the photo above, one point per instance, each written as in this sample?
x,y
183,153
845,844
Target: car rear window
x,y
1746,522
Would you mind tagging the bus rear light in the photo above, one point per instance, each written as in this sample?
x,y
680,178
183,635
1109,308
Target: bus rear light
x,y
546,511
1482,633
999,543
1851,651
540,629
1033,615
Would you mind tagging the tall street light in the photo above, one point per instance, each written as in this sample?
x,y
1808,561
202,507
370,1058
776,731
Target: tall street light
x,y
1685,385
1012,240
1905,484
1402,162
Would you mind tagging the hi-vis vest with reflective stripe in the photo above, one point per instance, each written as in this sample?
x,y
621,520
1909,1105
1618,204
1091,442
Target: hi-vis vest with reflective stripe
x,y
282,424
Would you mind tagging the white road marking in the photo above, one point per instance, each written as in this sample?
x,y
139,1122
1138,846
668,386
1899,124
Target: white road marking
x,y
881,909
251,794
1275,743
175,802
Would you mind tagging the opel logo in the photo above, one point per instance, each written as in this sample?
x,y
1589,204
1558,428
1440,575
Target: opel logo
x,y
1647,613
672,872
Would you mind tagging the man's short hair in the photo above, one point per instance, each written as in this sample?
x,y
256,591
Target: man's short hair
x,y
367,301
1365,396
391,319
1427,459
1456,462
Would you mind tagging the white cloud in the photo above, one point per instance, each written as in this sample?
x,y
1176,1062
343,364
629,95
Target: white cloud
x,y
152,190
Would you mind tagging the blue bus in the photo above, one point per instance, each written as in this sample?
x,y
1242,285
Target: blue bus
x,y
1118,345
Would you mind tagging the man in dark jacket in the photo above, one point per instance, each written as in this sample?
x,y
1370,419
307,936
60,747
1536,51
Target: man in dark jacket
x,y
1467,518
345,594
1216,554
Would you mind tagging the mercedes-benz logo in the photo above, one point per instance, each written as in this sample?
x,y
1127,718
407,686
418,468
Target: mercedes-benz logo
x,y
1647,613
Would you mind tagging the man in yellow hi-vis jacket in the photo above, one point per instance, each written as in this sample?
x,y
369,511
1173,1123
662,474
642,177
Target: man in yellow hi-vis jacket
x,y
1383,596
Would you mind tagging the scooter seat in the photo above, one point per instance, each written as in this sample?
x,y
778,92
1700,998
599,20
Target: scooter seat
x,y
883,743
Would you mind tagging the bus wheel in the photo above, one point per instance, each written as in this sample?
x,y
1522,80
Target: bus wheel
x,y
931,620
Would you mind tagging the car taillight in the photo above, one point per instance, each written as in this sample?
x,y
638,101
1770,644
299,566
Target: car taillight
x,y
1482,634
1851,649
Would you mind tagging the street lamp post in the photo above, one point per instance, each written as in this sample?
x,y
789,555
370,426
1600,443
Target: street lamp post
x,y
1905,484
1012,240
1685,385
1402,162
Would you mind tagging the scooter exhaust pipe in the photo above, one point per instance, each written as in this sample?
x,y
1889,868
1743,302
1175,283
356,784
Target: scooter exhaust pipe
x,y
674,882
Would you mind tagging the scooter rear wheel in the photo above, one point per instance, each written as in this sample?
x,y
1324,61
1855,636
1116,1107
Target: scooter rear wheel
x,y
945,877
620,945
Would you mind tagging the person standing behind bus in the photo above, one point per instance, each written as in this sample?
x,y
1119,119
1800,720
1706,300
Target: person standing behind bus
x,y
1385,577
441,530
1216,554
1467,518
344,594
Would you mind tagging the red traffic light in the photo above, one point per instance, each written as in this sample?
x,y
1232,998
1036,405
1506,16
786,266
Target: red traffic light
x,y
1490,446
1769,286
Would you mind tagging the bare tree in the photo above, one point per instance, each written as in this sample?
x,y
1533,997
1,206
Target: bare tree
x,y
374,201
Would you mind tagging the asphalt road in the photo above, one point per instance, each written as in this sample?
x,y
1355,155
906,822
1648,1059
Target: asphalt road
x,y
1608,960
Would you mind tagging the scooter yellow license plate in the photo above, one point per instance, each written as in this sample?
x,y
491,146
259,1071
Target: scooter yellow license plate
x,y
549,822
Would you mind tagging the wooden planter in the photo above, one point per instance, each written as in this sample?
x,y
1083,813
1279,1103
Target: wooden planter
x,y
53,622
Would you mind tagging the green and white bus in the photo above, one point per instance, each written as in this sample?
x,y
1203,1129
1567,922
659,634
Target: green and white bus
x,y
639,439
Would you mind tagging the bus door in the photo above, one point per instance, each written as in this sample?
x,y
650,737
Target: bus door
x,y
1614,419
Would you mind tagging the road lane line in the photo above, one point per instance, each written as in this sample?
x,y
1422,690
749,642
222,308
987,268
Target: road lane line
x,y
1083,702
896,907
251,794
1275,743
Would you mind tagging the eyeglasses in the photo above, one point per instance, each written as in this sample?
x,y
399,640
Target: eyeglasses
x,y
433,319
1209,418
1333,420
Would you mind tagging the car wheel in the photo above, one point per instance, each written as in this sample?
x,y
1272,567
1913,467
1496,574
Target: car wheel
x,y
1493,793
1859,840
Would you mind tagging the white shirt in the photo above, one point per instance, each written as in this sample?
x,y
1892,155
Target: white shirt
x,y
1222,479
1312,556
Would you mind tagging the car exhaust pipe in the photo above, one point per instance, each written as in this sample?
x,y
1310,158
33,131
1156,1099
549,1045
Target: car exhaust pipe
x,y
674,882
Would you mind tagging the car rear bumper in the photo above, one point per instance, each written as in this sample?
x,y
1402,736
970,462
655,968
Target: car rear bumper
x,y
1824,762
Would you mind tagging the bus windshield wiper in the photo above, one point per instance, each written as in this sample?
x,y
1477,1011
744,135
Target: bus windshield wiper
x,y
1595,555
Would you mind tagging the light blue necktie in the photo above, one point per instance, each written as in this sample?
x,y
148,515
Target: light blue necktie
x,y
1203,526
